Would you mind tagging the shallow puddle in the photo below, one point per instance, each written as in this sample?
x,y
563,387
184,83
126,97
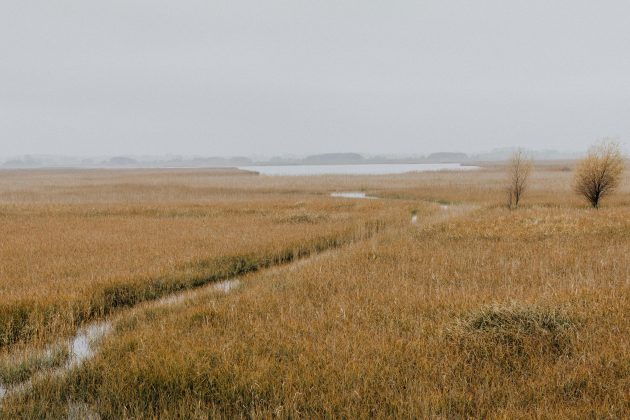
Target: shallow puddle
x,y
227,286
83,344
352,194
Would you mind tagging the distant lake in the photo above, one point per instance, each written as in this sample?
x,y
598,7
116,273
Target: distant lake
x,y
372,169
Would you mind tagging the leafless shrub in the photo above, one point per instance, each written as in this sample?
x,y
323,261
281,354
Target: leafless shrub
x,y
519,168
599,173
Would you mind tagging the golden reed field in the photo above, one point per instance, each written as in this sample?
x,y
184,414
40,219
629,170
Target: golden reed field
x,y
342,307
77,246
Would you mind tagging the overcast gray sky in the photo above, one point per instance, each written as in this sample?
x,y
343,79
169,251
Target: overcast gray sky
x,y
226,77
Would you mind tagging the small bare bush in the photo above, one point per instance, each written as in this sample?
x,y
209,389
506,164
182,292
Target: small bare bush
x,y
519,168
599,173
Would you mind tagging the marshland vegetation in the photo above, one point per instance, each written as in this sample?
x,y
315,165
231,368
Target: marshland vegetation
x,y
78,256
473,311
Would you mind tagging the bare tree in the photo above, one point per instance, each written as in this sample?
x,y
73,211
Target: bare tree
x,y
599,173
519,168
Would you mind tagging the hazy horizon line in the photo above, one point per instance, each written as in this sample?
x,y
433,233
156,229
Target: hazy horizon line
x,y
289,155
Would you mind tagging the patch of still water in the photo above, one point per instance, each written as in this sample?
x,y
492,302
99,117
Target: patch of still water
x,y
352,194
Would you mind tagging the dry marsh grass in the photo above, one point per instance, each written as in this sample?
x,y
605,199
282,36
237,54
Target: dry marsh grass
x,y
550,185
70,259
475,312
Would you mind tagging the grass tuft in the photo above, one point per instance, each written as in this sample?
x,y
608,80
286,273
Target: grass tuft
x,y
514,336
